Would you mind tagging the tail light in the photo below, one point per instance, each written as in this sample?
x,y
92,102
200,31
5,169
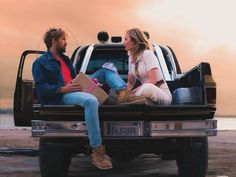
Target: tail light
x,y
210,95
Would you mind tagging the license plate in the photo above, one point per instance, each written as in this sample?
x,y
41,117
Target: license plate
x,y
123,128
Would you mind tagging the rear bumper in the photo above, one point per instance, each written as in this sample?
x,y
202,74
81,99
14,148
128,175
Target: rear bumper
x,y
146,129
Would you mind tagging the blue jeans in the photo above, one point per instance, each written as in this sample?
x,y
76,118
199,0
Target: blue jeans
x,y
90,103
109,77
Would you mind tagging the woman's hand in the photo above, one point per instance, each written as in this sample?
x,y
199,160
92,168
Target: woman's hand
x,y
70,87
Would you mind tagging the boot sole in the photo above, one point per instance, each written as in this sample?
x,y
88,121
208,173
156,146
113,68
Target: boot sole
x,y
141,101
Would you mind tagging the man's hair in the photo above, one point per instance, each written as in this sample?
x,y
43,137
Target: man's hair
x,y
52,33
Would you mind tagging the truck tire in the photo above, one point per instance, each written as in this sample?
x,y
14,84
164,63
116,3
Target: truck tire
x,y
53,160
192,159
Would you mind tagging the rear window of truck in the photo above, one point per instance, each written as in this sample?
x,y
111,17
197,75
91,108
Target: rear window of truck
x,y
99,56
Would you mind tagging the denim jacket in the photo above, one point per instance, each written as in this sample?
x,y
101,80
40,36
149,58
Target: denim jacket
x,y
48,78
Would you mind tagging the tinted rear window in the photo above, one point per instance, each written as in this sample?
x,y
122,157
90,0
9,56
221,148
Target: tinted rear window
x,y
99,56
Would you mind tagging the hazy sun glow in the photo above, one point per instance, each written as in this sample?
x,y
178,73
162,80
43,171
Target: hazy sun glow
x,y
212,21
197,30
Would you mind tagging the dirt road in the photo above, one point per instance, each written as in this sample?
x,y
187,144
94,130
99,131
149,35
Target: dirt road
x,y
222,160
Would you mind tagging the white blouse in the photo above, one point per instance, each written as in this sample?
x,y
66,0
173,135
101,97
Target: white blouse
x,y
146,61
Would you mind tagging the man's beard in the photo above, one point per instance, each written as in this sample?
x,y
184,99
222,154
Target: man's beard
x,y
60,50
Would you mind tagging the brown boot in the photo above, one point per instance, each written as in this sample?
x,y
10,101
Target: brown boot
x,y
125,96
100,159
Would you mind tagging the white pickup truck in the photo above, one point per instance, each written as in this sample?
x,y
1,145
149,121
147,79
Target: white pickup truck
x,y
179,130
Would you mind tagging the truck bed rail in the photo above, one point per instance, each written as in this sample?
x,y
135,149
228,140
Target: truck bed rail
x,y
126,112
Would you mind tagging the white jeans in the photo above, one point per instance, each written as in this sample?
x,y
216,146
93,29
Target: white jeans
x,y
157,95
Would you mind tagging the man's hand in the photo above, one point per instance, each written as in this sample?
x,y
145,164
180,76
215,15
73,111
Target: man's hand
x,y
70,87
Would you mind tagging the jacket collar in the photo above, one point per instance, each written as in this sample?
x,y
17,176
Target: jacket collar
x,y
50,55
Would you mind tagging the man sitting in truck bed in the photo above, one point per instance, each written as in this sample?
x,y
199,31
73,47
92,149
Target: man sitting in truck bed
x,y
53,74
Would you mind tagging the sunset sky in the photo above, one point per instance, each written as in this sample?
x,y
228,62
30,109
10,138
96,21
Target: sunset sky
x,y
197,30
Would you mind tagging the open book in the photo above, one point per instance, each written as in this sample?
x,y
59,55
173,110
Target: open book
x,y
90,87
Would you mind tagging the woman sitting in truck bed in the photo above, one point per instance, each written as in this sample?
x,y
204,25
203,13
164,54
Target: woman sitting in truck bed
x,y
143,65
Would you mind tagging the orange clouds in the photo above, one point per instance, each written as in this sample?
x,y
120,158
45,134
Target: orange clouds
x,y
196,30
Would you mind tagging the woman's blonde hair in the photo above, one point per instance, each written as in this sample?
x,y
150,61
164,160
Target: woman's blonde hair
x,y
140,42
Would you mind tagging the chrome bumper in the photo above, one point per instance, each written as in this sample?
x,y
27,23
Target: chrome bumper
x,y
183,128
194,128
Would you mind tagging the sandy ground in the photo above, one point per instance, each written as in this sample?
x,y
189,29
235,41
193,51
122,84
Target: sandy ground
x,y
222,159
